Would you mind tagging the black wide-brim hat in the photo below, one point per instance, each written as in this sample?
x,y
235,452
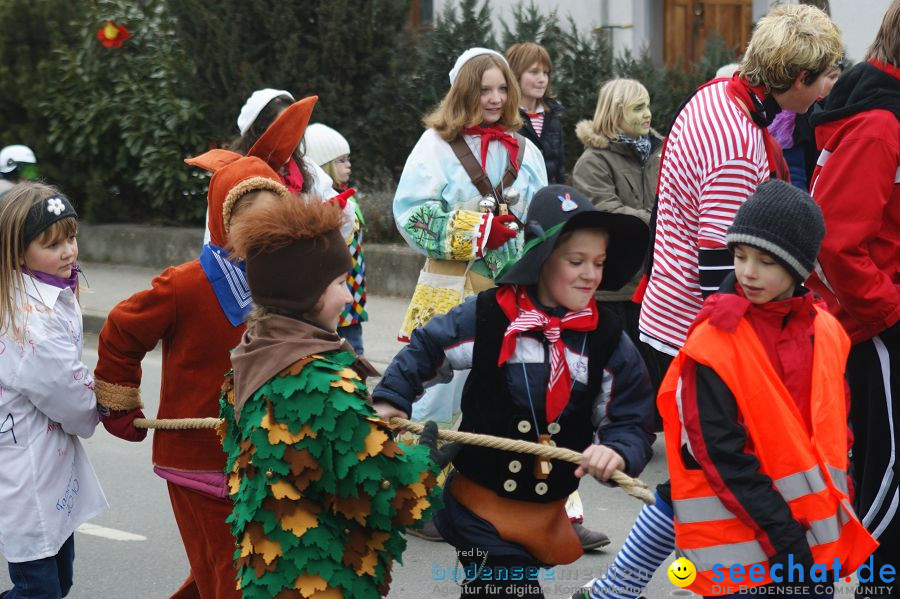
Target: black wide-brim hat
x,y
558,209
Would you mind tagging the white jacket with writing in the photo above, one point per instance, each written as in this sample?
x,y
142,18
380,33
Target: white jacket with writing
x,y
47,484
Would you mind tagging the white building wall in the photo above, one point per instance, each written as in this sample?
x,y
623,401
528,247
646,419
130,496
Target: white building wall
x,y
638,24
858,20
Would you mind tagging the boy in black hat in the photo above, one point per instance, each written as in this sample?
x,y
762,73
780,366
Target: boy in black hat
x,y
549,365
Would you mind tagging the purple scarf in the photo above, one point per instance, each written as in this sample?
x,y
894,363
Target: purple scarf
x,y
71,281
782,128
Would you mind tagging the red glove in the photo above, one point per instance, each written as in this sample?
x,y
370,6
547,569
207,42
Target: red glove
x,y
500,233
340,199
121,424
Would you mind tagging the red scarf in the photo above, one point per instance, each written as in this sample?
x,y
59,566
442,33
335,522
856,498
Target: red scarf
x,y
293,178
491,133
740,89
523,316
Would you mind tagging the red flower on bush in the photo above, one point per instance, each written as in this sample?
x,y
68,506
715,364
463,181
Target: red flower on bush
x,y
112,35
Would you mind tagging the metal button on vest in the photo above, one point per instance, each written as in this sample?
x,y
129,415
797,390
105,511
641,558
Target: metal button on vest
x,y
540,488
515,466
524,426
553,428
509,486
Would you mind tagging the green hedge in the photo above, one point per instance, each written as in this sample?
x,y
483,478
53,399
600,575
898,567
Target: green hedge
x,y
112,125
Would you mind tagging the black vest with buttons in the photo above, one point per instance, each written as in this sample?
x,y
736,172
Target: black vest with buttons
x,y
489,407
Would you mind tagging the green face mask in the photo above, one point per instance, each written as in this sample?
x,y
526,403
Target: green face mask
x,y
28,171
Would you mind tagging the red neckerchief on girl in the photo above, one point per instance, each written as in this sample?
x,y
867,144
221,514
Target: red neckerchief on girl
x,y
495,132
752,98
293,178
524,316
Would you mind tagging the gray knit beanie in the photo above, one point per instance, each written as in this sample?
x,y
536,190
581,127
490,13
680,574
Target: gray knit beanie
x,y
782,221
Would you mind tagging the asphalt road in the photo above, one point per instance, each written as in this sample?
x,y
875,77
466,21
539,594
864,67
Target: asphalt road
x,y
137,553
152,565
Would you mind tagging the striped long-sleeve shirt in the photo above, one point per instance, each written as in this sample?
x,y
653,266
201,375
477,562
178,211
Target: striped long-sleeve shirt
x,y
714,159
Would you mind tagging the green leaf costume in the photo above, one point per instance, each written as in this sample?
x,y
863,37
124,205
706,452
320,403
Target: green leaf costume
x,y
322,492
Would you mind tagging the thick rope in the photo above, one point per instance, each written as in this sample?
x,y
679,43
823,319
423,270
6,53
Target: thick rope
x,y
176,424
633,486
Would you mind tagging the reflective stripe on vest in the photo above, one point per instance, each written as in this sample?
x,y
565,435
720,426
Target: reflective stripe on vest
x,y
794,486
820,532
839,478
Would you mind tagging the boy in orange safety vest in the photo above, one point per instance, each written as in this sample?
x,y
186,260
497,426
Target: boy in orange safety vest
x,y
754,410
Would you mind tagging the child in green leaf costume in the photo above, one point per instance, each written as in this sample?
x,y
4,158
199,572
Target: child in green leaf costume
x,y
322,492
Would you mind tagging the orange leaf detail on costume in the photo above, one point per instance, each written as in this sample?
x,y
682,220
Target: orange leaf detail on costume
x,y
328,594
222,430
419,489
299,521
374,441
234,483
295,368
347,385
268,548
246,545
421,505
280,433
348,373
284,490
369,561
308,584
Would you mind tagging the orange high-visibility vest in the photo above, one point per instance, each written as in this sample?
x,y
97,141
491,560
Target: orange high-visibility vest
x,y
808,470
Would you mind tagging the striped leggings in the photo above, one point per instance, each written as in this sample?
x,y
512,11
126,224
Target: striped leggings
x,y
649,543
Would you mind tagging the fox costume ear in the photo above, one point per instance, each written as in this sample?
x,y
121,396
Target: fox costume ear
x,y
279,141
213,160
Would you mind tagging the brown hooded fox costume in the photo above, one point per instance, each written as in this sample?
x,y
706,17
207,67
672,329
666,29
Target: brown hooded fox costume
x,y
184,311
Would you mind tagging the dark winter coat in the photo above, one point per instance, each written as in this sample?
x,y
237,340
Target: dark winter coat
x,y
550,143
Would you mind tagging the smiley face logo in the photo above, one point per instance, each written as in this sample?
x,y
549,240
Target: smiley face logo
x,y
682,572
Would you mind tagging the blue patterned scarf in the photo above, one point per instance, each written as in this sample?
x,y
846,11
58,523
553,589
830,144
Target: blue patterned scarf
x,y
228,282
641,145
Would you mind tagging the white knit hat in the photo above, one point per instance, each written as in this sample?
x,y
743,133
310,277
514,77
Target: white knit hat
x,y
254,105
324,144
469,55
11,156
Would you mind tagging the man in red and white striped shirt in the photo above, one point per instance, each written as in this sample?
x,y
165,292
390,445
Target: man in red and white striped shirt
x,y
716,154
